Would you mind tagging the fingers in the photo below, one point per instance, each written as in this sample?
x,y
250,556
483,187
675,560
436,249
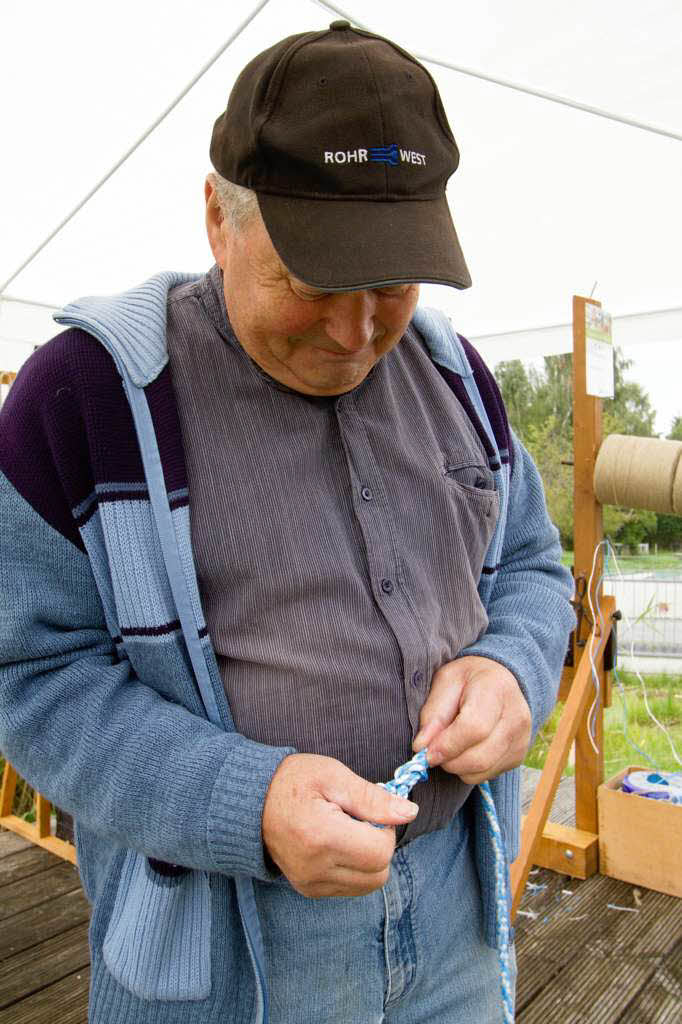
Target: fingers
x,y
333,855
316,827
475,727
366,801
441,706
488,732
343,858
494,743
484,761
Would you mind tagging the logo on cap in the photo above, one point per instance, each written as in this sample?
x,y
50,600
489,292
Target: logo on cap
x,y
384,155
391,155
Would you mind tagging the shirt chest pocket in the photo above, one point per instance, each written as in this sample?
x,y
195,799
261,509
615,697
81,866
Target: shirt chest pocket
x,y
471,493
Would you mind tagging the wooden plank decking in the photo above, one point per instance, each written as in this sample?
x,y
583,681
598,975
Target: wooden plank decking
x,y
583,962
44,959
579,961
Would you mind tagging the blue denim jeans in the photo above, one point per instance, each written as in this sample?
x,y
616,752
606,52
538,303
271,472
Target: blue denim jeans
x,y
410,953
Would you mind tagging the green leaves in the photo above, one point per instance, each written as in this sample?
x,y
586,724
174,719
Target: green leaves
x,y
540,409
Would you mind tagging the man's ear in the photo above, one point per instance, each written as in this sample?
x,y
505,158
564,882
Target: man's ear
x,y
214,224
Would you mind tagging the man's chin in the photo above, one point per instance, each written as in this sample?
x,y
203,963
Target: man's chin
x,y
336,380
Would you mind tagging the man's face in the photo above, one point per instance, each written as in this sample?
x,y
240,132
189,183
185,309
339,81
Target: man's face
x,y
318,343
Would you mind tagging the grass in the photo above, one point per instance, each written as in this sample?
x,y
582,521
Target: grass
x,y
638,563
665,700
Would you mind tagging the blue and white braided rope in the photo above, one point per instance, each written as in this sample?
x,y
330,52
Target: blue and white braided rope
x,y
404,779
408,775
501,903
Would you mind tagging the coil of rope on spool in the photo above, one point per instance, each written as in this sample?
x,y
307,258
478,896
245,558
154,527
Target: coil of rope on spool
x,y
640,472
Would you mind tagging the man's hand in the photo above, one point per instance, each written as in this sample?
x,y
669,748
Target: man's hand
x,y
311,832
475,721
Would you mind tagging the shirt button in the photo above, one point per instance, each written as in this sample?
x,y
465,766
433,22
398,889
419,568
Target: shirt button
x,y
387,586
366,494
417,678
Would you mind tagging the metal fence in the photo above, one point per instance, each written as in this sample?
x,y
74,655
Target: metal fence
x,y
651,603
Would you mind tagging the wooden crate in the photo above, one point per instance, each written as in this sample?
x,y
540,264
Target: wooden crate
x,y
640,839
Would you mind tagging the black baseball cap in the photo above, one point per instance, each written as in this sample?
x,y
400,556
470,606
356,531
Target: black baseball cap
x,y
343,136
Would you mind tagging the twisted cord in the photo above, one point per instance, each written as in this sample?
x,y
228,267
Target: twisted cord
x,y
501,903
404,779
408,775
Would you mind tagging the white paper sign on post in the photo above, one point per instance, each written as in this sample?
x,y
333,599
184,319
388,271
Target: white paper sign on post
x,y
599,352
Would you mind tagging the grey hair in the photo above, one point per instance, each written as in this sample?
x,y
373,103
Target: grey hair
x,y
237,204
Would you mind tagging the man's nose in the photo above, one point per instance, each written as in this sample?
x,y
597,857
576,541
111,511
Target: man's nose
x,y
350,319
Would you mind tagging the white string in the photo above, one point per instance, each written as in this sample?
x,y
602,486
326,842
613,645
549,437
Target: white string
x,y
621,689
637,672
624,706
591,718
145,135
593,637
517,87
592,715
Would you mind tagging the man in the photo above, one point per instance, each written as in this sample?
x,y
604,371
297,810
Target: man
x,y
265,534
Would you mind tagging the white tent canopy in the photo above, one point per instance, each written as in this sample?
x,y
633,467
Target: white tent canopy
x,y
549,200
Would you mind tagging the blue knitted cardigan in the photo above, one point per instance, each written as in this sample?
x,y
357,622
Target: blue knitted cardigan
x,y
111,702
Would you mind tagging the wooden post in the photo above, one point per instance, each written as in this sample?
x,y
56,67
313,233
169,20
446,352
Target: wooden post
x,y
574,851
588,533
9,788
43,813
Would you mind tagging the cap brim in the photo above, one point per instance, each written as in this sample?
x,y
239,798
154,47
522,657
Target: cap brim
x,y
353,243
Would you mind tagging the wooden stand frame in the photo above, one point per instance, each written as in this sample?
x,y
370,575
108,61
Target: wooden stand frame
x,y
575,851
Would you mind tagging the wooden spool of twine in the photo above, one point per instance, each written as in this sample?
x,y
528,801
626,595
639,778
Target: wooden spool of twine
x,y
640,472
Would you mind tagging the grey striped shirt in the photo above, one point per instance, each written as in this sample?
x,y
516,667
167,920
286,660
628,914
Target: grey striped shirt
x,y
338,543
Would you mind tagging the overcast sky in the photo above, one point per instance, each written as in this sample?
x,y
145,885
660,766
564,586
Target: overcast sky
x,y
547,200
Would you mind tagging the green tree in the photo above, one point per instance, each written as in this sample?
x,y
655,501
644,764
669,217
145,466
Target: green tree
x,y
540,408
668,527
629,412
552,453
668,530
554,396
676,430
639,525
518,389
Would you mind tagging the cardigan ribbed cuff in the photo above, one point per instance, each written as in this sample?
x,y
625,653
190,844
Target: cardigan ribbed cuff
x,y
236,810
